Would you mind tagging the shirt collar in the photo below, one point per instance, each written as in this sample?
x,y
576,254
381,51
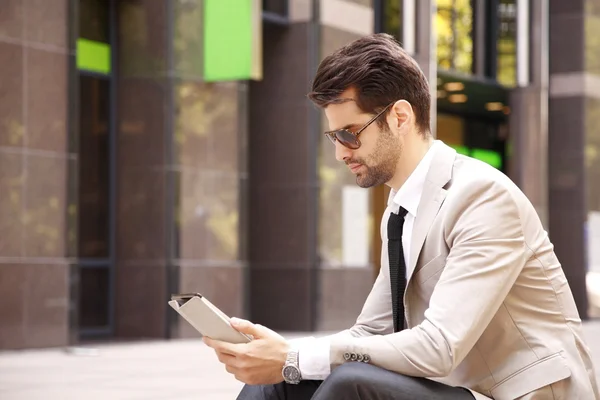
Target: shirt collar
x,y
409,194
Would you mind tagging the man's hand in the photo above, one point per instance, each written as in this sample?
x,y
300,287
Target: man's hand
x,y
256,363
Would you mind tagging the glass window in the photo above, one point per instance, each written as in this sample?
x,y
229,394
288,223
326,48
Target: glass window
x,y
93,17
454,26
391,18
94,169
93,209
93,301
345,230
279,7
207,186
506,43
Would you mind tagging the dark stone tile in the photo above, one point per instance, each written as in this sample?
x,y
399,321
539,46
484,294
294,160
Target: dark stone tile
x,y
567,7
47,22
141,301
566,140
13,284
343,292
223,286
567,190
567,43
279,148
11,93
11,19
141,214
282,299
141,122
333,38
47,305
47,100
567,235
33,306
12,180
279,226
46,189
279,111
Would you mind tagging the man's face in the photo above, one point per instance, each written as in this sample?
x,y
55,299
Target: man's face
x,y
375,161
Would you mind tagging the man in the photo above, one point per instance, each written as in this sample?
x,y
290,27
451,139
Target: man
x,y
471,301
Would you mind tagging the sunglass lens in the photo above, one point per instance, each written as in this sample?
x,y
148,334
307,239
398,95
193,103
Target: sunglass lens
x,y
347,139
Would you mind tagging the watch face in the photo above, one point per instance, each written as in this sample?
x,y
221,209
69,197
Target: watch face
x,y
291,373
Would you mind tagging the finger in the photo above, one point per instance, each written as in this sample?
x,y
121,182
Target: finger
x,y
248,328
208,341
226,359
223,347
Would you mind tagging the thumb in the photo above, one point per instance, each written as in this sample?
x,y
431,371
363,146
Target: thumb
x,y
247,327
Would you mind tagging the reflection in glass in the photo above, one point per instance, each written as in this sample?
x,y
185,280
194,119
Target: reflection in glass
x,y
454,27
93,301
94,167
207,187
279,7
506,44
592,172
93,20
346,222
187,37
391,18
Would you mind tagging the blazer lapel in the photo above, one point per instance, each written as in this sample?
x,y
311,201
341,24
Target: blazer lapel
x,y
432,198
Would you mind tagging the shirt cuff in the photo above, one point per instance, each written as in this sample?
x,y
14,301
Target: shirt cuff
x,y
313,357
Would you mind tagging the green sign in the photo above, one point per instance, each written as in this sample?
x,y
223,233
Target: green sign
x,y
93,56
488,156
232,40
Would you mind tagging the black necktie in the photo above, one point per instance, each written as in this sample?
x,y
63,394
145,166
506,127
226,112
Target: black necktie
x,y
397,267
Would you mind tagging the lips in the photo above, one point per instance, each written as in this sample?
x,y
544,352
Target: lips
x,y
354,167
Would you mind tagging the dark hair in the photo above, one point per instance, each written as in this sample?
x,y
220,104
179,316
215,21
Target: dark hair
x,y
380,71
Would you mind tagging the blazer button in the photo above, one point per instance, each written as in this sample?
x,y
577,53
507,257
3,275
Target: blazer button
x,y
360,358
354,357
347,356
366,358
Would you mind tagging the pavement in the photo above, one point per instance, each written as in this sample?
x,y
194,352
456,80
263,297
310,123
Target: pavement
x,y
173,370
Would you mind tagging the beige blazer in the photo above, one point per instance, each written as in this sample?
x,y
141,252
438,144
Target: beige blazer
x,y
488,306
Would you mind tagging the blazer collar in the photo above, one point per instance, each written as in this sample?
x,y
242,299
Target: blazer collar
x,y
439,174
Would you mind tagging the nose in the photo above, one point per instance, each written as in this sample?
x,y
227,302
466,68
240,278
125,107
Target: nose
x,y
342,152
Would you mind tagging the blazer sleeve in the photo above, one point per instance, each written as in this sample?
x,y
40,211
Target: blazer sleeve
x,y
487,251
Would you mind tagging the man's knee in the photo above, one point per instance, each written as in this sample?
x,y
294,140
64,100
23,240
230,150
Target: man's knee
x,y
352,372
259,392
346,379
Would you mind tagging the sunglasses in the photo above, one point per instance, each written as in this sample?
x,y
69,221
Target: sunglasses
x,y
349,139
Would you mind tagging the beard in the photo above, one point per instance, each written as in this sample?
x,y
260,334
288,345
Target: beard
x,y
380,166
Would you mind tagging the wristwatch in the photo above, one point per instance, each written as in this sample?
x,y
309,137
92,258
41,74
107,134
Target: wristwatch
x,y
291,370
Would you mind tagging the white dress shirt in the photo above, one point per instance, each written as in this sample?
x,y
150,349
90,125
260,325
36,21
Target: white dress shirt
x,y
313,354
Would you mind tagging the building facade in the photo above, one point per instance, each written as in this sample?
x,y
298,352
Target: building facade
x,y
150,147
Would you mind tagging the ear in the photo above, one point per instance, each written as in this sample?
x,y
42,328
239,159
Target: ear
x,y
402,115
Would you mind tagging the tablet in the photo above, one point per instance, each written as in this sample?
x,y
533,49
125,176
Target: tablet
x,y
206,318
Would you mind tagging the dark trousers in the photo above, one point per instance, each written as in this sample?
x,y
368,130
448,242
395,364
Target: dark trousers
x,y
358,381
